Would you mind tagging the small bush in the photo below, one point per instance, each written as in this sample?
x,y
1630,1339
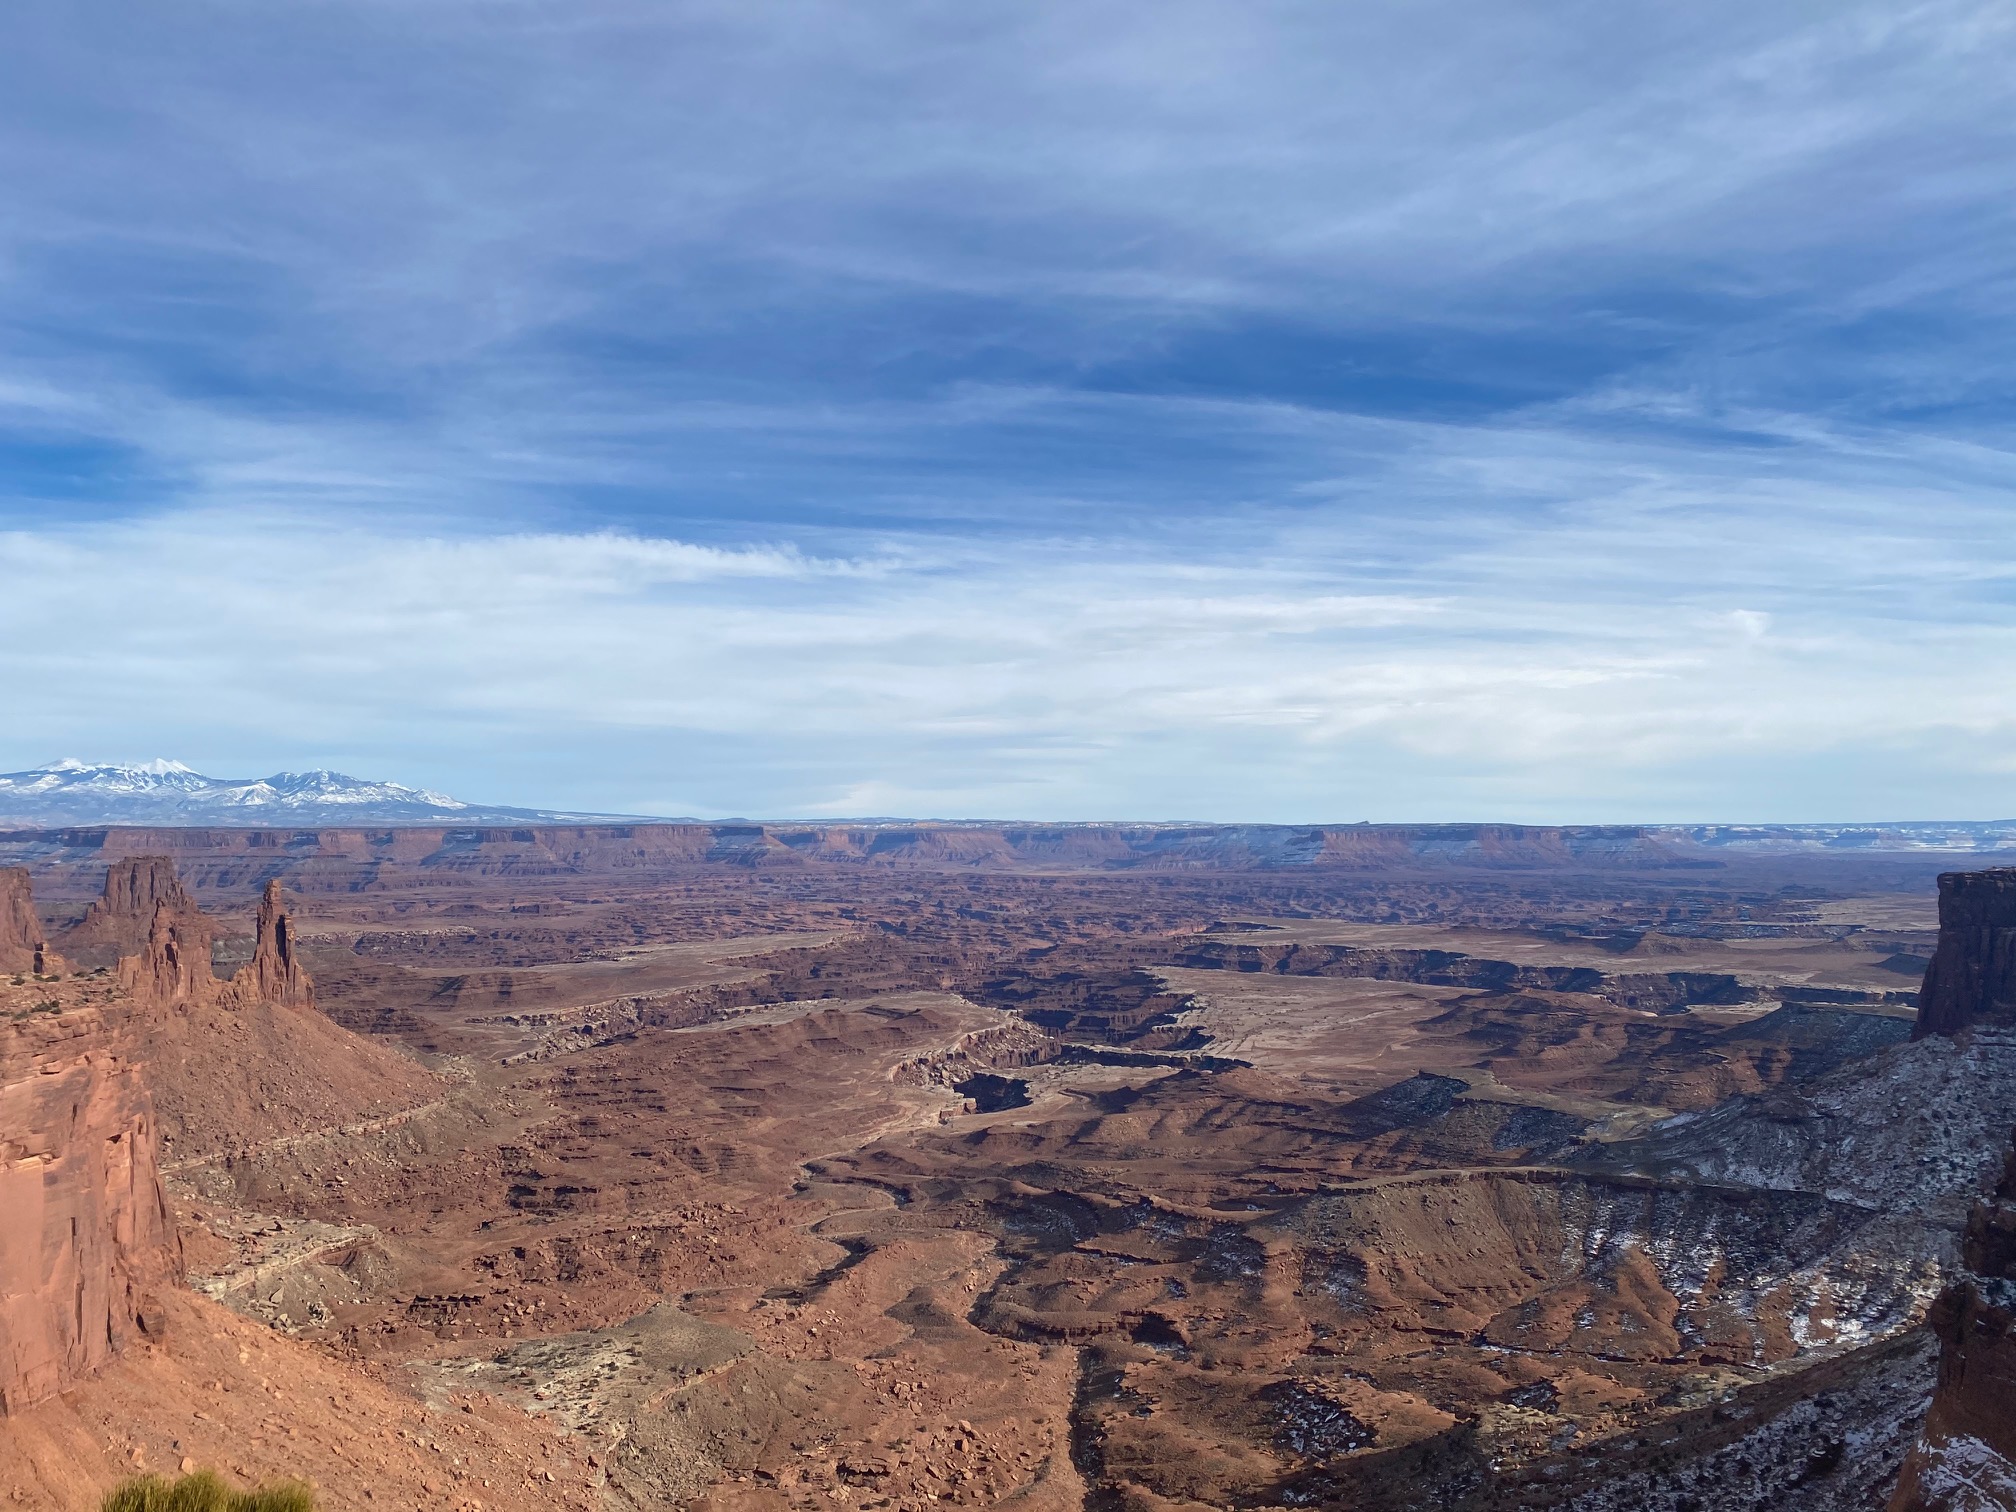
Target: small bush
x,y
205,1491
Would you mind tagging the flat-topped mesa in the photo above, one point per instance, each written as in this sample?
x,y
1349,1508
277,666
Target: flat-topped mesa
x,y
121,920
1972,978
275,973
21,944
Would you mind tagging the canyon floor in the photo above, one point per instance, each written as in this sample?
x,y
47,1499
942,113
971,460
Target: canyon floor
x,y
825,1184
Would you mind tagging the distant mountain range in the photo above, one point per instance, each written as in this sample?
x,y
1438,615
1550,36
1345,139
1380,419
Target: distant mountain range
x,y
73,792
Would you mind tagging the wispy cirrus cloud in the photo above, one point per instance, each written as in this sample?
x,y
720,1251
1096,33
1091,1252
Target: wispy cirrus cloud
x,y
1270,410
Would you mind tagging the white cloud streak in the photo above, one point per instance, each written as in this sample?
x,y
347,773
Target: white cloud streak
x,y
1586,651
1273,410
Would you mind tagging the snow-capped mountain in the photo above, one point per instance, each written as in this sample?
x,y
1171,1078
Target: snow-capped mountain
x,y
72,792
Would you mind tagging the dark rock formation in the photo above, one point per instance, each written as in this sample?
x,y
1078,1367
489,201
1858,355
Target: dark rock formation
x,y
21,945
1972,977
86,1240
1966,1458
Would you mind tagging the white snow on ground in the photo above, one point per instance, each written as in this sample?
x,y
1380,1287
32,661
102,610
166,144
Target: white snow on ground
x,y
1965,1475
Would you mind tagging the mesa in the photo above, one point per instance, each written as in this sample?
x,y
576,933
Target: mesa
x,y
890,1166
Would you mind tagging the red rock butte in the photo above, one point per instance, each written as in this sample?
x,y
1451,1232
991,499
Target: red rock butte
x,y
760,1166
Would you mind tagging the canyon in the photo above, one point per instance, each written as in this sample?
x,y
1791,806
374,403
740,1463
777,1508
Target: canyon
x,y
758,1166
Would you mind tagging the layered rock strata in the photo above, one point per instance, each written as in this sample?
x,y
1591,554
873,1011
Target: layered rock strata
x,y
21,944
172,963
1972,978
275,973
121,920
86,1240
1965,1461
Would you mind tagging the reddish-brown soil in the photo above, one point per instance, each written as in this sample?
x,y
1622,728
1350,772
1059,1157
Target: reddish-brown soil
x,y
823,1182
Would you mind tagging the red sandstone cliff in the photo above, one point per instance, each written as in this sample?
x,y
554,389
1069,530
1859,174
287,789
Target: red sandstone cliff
x,y
275,973
121,920
21,945
174,964
170,963
97,1076
86,1240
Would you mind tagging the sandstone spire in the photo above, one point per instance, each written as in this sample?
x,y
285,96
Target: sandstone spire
x,y
274,974
21,944
147,922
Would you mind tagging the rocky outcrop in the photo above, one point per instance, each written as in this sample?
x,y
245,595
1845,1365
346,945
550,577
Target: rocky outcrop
x,y
1965,1460
171,961
174,965
121,921
1972,978
86,1240
21,944
275,973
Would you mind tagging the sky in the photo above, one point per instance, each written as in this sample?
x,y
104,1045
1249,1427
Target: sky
x,y
1115,409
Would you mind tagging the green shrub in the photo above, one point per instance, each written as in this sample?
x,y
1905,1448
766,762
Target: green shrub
x,y
205,1491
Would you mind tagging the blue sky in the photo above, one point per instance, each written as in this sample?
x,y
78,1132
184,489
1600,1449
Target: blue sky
x,y
1255,410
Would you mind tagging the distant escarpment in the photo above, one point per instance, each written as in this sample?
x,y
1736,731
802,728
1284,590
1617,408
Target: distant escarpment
x,y
348,858
1972,978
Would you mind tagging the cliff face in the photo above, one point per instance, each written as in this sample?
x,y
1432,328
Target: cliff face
x,y
170,963
122,919
346,859
1972,978
1965,1461
21,945
86,1241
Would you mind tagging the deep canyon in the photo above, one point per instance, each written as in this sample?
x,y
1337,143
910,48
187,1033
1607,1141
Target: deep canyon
x,y
751,1166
